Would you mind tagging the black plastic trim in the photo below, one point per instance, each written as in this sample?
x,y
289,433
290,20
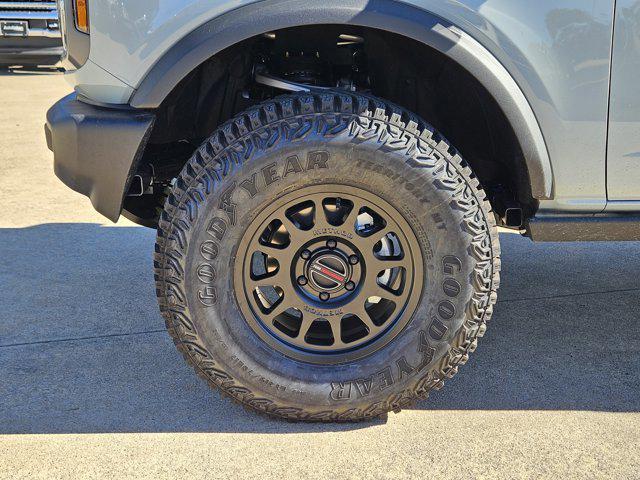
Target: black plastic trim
x,y
592,228
97,150
389,15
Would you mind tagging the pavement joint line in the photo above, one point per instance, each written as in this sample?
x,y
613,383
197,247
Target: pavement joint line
x,y
568,295
79,339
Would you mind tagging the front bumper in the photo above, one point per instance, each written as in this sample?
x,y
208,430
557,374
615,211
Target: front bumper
x,y
97,150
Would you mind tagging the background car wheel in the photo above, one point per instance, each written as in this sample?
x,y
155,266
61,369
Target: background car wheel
x,y
326,257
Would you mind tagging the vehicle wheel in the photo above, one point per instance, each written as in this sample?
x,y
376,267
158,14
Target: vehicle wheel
x,y
326,257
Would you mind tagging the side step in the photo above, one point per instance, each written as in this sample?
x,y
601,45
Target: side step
x,y
579,228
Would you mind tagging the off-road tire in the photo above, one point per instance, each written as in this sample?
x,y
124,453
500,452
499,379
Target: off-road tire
x,y
370,144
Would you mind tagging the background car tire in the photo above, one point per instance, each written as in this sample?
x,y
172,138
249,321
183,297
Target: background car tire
x,y
348,143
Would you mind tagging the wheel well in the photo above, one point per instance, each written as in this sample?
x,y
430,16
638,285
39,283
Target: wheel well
x,y
387,65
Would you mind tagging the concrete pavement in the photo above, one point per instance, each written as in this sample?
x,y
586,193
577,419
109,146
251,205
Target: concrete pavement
x,y
91,386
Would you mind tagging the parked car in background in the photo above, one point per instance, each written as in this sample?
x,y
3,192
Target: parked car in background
x,y
30,33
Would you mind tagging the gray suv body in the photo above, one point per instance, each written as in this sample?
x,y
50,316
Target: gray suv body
x,y
540,99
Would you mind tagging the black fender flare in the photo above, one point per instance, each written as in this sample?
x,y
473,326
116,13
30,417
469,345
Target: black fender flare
x,y
390,15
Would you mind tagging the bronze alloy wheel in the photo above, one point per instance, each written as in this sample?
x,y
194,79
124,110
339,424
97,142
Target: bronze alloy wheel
x,y
328,274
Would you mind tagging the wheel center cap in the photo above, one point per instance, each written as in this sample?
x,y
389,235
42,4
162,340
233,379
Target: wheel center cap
x,y
328,273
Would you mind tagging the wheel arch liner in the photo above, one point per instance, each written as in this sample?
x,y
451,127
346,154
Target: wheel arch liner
x,y
96,150
389,15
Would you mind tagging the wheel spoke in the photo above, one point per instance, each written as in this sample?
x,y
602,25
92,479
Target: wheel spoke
x,y
377,265
361,312
279,309
280,278
350,221
371,241
307,321
282,255
320,217
372,288
296,235
252,284
336,330
289,301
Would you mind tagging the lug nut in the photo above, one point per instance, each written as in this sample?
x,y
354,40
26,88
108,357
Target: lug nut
x,y
302,280
332,244
305,254
324,296
353,259
350,286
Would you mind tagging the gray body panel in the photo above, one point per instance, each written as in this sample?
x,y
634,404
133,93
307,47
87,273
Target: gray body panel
x,y
624,128
239,24
553,58
557,52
